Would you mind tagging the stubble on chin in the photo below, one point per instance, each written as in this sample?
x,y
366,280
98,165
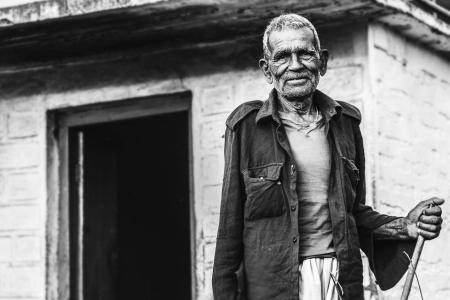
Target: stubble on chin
x,y
297,94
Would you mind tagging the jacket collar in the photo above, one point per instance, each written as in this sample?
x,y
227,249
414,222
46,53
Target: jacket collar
x,y
269,108
327,106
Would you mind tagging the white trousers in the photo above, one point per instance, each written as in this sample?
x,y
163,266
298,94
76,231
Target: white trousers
x,y
315,279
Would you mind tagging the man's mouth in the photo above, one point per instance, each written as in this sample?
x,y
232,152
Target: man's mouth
x,y
300,80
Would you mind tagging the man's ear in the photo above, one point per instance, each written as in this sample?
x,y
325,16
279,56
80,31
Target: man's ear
x,y
264,66
323,61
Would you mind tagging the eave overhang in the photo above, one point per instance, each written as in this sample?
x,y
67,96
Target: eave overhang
x,y
177,24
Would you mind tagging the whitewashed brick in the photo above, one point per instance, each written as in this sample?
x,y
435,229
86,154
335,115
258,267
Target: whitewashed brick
x,y
393,119
211,198
410,95
342,47
22,186
5,248
208,294
2,126
212,168
23,281
442,92
393,147
19,217
209,251
210,225
4,284
437,250
22,125
18,155
26,248
212,134
356,101
25,103
255,89
2,188
396,101
394,201
217,99
342,82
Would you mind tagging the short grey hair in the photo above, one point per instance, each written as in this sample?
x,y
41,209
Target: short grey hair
x,y
292,21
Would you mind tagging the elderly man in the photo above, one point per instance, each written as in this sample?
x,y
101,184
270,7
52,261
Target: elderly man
x,y
293,216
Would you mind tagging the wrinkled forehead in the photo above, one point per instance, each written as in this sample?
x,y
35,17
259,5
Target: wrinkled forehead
x,y
291,38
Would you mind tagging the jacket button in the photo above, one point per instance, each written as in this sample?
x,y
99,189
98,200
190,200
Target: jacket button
x,y
294,240
279,182
293,207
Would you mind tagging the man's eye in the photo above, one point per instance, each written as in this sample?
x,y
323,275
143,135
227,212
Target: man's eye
x,y
307,55
280,56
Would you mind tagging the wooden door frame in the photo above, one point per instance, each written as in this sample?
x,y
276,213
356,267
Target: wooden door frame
x,y
58,124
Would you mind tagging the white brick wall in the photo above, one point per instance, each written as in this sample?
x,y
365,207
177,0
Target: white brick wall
x,y
22,157
222,94
410,88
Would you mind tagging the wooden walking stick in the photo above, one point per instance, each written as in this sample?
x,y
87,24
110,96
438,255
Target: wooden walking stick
x,y
412,268
413,265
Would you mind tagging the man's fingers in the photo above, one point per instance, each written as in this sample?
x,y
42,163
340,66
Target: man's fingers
x,y
432,211
434,201
427,235
429,227
436,220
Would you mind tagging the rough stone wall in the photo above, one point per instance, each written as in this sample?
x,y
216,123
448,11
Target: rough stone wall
x,y
410,89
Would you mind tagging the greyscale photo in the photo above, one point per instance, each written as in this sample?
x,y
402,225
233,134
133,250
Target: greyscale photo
x,y
224,149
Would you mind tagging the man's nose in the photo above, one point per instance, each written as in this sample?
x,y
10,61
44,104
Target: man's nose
x,y
295,63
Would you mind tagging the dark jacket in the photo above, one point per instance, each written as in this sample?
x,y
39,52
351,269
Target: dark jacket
x,y
257,242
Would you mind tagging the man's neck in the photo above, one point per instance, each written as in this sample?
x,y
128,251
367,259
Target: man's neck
x,y
300,105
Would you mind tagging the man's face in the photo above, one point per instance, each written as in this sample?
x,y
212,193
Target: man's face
x,y
295,65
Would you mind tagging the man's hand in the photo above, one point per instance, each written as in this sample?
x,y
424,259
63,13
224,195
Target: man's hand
x,y
425,219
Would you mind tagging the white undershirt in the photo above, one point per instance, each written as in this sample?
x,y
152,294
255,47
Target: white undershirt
x,y
311,154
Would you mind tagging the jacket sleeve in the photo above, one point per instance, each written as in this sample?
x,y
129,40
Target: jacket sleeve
x,y
229,247
366,218
386,257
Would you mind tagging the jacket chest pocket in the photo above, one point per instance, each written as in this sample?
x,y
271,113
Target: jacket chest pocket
x,y
351,181
265,198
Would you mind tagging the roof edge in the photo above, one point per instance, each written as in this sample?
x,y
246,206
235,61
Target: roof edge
x,y
417,23
427,17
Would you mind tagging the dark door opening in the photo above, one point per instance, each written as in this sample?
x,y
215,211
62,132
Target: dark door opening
x,y
129,209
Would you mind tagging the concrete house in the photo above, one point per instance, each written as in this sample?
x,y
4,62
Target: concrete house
x,y
111,133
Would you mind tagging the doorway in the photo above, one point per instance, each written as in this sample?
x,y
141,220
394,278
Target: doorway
x,y
129,204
